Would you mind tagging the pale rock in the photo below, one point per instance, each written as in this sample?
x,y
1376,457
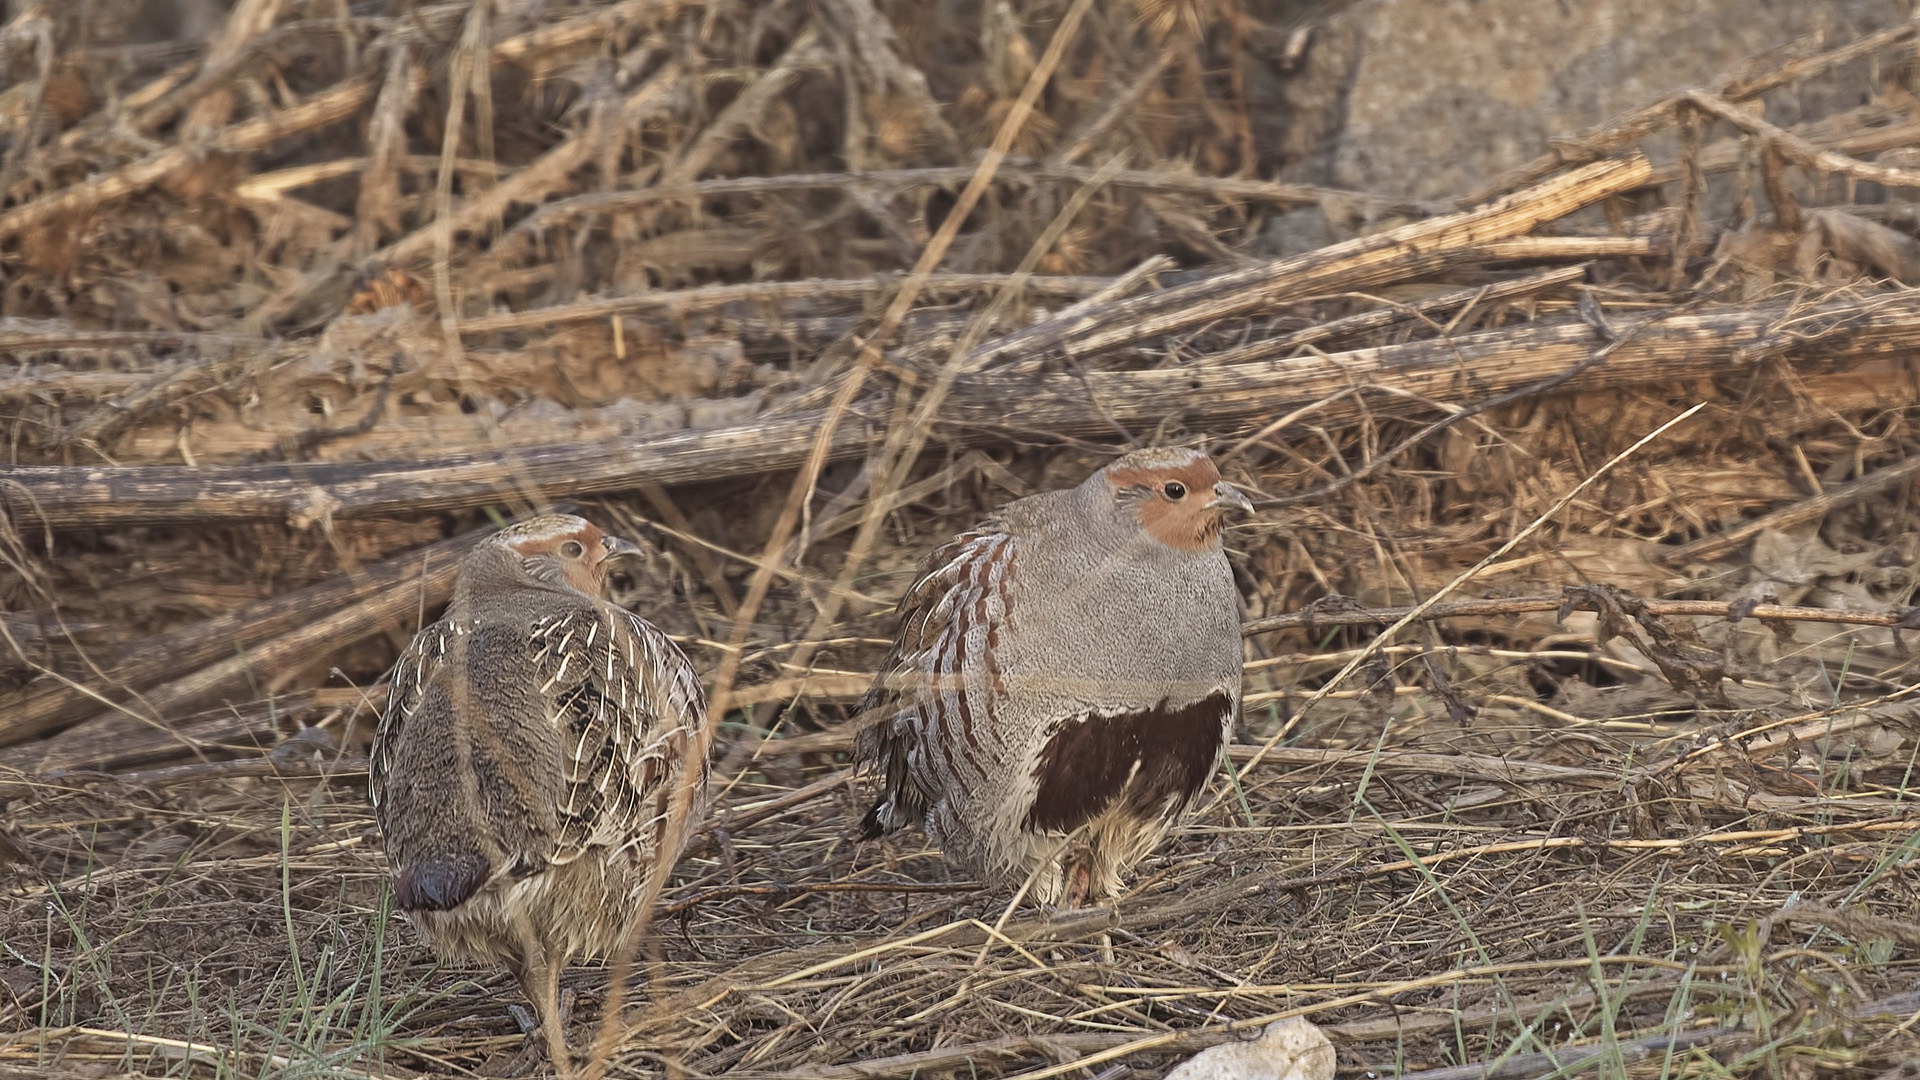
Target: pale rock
x,y
1290,1049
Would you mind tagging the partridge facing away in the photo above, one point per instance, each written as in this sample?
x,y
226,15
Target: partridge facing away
x,y
524,768
1064,678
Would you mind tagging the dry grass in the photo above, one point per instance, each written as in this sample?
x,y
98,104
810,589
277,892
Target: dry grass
x,y
656,257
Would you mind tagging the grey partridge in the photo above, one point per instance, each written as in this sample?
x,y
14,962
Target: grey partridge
x,y
524,767
1064,678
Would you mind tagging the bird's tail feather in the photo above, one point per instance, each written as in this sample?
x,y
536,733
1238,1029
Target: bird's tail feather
x,y
883,818
440,882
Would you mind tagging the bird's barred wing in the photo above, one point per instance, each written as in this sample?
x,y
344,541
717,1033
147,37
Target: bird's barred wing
x,y
921,718
629,707
413,780
406,684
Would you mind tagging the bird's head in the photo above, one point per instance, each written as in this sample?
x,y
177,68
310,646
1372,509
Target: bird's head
x,y
561,549
1175,493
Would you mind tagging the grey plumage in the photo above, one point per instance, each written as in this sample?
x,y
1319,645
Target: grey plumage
x,y
524,766
1064,678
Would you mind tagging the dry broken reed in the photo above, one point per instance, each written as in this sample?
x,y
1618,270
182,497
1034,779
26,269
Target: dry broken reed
x,y
798,289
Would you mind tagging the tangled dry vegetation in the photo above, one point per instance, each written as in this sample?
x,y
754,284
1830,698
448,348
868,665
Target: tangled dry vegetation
x,y
798,288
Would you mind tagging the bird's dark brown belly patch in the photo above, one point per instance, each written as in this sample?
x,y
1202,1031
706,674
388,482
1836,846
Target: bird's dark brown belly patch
x,y
1087,764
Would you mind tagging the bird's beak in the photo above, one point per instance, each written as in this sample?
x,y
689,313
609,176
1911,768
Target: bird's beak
x,y
1226,495
618,546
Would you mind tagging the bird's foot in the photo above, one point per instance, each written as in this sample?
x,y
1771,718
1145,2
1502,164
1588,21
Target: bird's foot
x,y
531,1059
1079,873
532,1052
1062,916
533,1045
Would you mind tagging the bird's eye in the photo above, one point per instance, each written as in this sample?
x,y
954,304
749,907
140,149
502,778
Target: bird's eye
x,y
1175,490
572,549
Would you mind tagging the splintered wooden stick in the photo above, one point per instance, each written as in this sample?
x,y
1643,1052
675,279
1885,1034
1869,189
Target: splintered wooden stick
x,y
1457,370
1799,150
1326,617
1422,247
117,741
1380,318
1013,171
317,111
677,303
986,409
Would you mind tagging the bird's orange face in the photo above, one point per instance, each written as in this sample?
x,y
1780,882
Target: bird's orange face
x,y
1178,495
564,547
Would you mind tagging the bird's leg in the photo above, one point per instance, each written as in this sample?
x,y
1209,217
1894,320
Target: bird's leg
x,y
543,988
540,981
1078,869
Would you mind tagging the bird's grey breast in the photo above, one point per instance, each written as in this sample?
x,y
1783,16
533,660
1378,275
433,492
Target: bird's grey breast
x,y
1118,619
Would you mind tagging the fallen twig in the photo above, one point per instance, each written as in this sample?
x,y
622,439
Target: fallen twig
x,y
1012,171
1331,612
1571,1058
254,637
1382,318
1814,506
1799,150
1418,248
